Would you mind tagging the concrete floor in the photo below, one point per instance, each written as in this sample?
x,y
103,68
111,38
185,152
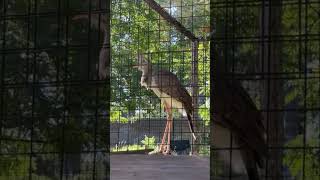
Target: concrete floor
x,y
158,167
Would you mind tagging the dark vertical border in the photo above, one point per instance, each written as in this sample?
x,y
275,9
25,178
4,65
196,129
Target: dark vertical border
x,y
108,86
212,67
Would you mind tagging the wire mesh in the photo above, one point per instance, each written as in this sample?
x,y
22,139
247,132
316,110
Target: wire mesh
x,y
54,105
53,118
138,119
272,49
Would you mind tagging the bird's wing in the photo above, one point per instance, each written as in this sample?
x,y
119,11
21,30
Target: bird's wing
x,y
237,87
168,83
240,115
250,164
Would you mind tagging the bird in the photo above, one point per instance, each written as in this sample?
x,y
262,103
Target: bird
x,y
237,125
172,93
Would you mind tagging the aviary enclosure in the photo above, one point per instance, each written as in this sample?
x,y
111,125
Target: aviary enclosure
x,y
69,99
170,35
137,116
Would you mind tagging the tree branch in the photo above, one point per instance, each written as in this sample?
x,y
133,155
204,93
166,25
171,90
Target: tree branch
x,y
155,6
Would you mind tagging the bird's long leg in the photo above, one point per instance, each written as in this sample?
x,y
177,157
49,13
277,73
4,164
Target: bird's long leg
x,y
161,148
164,137
169,120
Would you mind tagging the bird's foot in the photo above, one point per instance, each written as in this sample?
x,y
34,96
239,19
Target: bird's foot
x,y
167,150
163,149
156,150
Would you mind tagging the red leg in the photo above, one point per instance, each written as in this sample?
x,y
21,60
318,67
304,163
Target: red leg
x,y
165,133
169,120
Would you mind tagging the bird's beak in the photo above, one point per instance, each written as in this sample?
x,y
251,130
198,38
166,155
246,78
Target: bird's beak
x,y
135,66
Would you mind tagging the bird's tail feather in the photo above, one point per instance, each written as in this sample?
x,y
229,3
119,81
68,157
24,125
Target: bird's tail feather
x,y
253,173
191,125
250,165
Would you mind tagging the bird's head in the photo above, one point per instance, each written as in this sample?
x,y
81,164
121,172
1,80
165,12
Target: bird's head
x,y
142,63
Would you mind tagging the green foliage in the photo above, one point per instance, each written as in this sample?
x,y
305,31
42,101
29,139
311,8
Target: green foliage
x,y
204,112
204,150
11,165
296,59
133,147
26,176
149,143
294,159
117,117
135,28
58,108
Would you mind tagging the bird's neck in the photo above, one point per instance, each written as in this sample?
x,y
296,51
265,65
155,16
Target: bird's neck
x,y
147,70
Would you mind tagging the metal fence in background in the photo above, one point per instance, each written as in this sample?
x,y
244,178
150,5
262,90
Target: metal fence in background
x,y
137,116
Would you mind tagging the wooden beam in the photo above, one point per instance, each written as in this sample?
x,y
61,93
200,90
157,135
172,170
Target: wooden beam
x,y
163,13
272,90
195,89
195,93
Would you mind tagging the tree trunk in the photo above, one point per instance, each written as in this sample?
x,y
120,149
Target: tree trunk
x,y
272,89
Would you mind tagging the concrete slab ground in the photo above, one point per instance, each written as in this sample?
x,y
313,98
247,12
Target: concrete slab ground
x,y
158,167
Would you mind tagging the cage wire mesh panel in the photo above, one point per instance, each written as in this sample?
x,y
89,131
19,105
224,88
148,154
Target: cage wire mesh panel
x,y
53,104
272,49
137,115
